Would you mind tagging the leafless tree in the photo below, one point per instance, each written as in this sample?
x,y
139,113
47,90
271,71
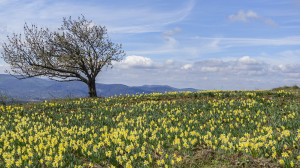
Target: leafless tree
x,y
77,51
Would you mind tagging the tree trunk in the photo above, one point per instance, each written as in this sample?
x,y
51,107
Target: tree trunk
x,y
92,88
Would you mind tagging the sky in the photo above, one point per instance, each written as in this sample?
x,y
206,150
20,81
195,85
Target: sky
x,y
227,45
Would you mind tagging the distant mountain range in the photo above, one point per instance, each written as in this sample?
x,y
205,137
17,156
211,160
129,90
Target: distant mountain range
x,y
37,89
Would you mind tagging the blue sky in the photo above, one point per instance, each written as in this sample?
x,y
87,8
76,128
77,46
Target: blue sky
x,y
202,44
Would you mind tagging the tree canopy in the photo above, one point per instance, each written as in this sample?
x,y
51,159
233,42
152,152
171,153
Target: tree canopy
x,y
77,51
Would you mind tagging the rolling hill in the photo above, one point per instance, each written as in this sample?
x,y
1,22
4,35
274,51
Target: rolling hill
x,y
37,89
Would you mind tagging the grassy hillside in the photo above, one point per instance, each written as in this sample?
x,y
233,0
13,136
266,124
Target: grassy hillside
x,y
186,129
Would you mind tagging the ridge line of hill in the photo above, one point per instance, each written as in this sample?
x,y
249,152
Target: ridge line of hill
x,y
37,89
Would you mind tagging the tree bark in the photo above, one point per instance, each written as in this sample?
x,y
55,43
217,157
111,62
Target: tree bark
x,y
92,88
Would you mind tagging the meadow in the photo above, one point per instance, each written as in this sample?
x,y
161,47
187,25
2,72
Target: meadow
x,y
176,129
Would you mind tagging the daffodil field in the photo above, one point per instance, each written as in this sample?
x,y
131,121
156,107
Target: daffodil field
x,y
177,129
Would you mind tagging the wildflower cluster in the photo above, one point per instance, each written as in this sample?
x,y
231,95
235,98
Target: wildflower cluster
x,y
150,130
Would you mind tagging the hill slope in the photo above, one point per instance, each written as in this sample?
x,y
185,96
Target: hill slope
x,y
187,129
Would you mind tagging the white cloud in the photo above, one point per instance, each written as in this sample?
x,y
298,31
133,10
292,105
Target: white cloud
x,y
246,17
209,69
118,18
290,53
172,32
133,29
243,16
169,61
173,46
169,44
241,73
187,66
240,42
246,60
283,57
282,67
200,46
136,61
242,66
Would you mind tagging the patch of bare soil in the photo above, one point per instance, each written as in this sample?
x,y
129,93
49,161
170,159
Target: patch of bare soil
x,y
206,157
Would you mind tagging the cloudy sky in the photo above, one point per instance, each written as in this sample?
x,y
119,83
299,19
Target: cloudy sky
x,y
202,44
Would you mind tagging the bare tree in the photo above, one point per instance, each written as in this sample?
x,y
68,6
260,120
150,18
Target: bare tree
x,y
77,51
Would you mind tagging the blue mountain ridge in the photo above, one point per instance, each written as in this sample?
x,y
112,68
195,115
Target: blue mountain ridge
x,y
38,89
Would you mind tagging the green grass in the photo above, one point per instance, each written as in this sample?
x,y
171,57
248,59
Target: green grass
x,y
185,129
